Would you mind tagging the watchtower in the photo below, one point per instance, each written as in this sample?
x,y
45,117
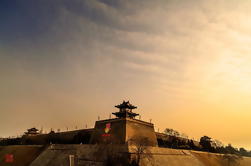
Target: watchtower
x,y
123,128
125,110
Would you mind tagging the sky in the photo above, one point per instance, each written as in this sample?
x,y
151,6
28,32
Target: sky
x,y
186,64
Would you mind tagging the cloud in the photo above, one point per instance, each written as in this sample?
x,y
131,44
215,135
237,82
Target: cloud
x,y
185,52
168,40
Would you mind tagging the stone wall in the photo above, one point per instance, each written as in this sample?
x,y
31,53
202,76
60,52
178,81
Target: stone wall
x,y
115,134
85,155
137,129
22,155
121,130
174,157
98,155
68,137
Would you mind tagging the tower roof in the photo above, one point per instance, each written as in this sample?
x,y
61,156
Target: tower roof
x,y
126,104
32,129
125,110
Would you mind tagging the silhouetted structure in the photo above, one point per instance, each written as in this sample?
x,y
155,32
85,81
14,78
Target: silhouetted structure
x,y
123,128
32,132
125,110
117,130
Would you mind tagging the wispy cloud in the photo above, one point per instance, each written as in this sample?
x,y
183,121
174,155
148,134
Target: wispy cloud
x,y
168,54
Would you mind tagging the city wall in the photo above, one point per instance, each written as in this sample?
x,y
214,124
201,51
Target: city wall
x,y
97,155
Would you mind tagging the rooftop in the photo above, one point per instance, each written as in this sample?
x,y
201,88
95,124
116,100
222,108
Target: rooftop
x,y
126,104
125,110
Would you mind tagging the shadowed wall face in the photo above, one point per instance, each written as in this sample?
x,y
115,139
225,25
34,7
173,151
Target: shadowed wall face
x,y
22,155
109,132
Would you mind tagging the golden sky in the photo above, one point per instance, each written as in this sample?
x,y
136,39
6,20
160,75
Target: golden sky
x,y
186,64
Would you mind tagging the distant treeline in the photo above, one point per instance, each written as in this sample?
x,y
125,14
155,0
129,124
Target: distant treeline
x,y
172,139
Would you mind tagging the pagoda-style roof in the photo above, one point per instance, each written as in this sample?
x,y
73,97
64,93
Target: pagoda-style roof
x,y
126,104
32,131
125,114
125,110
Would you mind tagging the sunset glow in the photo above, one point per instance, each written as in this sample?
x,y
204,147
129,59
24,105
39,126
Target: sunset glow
x,y
185,64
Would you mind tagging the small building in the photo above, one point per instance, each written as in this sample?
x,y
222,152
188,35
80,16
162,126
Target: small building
x,y
31,132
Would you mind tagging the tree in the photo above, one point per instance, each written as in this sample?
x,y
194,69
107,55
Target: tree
x,y
109,155
206,143
140,147
231,150
171,132
243,152
191,144
218,143
183,135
